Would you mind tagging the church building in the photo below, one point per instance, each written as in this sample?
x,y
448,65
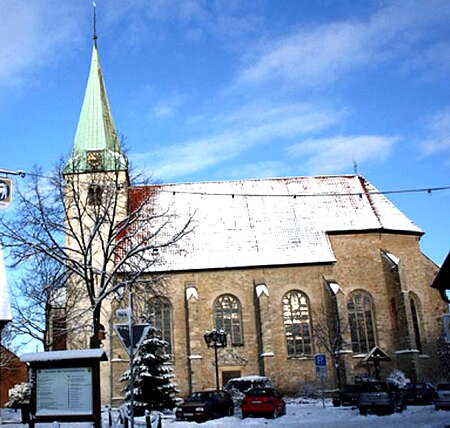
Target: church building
x,y
287,267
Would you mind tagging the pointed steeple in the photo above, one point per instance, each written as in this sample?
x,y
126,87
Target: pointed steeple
x,y
96,145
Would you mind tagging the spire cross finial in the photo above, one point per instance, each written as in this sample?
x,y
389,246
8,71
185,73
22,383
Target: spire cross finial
x,y
95,23
355,166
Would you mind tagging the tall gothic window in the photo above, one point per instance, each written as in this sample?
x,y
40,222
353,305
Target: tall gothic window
x,y
297,323
159,316
415,322
228,313
361,320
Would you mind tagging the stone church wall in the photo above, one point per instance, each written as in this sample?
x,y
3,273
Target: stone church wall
x,y
360,265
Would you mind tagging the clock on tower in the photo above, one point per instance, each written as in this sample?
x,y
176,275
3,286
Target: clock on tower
x,y
94,159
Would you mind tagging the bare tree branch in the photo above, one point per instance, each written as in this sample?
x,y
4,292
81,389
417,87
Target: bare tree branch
x,y
97,240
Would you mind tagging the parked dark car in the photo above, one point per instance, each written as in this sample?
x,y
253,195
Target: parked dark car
x,y
441,396
204,405
380,398
263,402
419,393
346,396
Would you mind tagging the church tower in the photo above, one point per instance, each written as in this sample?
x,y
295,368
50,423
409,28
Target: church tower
x,y
96,200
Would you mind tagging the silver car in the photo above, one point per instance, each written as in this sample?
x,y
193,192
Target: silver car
x,y
441,396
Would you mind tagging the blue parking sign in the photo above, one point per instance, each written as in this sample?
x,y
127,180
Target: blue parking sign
x,y
320,360
321,366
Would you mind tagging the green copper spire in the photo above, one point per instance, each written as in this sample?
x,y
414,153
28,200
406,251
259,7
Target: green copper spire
x,y
96,146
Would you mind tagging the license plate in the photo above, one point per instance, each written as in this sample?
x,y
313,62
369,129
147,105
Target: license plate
x,y
188,414
256,402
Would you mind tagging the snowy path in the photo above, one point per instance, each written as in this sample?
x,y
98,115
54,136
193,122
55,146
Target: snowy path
x,y
300,415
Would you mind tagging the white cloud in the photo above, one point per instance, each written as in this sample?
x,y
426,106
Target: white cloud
x,y
438,126
229,21
234,134
168,106
30,34
319,55
261,169
336,154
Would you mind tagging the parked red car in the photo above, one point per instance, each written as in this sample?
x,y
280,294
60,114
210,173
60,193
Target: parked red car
x,y
263,401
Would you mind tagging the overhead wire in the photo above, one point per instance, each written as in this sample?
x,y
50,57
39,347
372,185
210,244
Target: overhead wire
x,y
174,192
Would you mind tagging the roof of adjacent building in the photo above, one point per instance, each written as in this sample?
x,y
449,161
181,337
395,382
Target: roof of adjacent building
x,y
74,354
262,222
96,132
442,280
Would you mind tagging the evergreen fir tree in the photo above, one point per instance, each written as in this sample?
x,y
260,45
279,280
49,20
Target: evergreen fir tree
x,y
153,386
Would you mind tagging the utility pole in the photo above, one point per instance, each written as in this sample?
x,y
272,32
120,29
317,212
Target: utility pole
x,y
131,328
131,335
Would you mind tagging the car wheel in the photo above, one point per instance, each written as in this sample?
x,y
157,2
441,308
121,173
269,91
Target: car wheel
x,y
436,407
275,413
244,415
362,411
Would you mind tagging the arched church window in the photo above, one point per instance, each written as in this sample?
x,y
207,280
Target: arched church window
x,y
228,314
415,321
297,323
361,320
159,316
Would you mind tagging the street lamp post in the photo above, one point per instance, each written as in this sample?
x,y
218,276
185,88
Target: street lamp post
x,y
216,339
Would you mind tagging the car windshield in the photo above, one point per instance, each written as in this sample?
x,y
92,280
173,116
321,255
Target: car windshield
x,y
263,392
417,386
374,387
242,385
443,387
203,396
351,388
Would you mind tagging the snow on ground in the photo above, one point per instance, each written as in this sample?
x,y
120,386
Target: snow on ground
x,y
299,414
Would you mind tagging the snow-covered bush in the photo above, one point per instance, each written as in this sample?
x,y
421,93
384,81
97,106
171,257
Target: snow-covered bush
x,y
308,390
398,378
19,395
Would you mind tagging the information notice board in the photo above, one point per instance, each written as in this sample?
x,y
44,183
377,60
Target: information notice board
x,y
63,391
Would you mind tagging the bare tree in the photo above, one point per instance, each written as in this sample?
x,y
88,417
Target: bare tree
x,y
329,331
37,298
443,352
8,360
87,226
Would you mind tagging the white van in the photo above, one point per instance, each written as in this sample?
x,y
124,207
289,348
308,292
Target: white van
x,y
238,386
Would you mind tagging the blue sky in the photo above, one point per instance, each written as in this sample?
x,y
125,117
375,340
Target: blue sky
x,y
212,90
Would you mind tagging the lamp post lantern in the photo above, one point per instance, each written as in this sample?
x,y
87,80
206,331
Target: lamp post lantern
x,y
216,339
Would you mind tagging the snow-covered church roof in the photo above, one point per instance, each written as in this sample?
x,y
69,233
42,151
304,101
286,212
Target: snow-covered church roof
x,y
262,222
